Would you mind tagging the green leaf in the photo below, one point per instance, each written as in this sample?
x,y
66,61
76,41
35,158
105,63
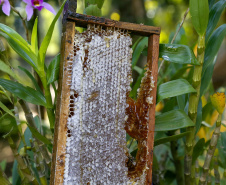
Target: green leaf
x,y
180,72
32,78
133,92
8,124
177,53
172,120
199,117
170,138
53,70
198,150
19,45
99,3
138,69
138,50
174,88
93,10
3,107
214,16
34,37
5,68
5,93
213,46
39,136
26,93
47,38
199,10
3,178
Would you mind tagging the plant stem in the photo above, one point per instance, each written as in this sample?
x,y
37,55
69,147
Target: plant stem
x,y
177,161
31,122
23,167
210,152
196,172
192,111
3,178
216,172
175,35
23,20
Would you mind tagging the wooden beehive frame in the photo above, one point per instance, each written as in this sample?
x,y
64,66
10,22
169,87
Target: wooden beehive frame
x,y
71,20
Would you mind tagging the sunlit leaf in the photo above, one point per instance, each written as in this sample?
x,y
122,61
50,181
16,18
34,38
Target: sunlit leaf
x,y
34,37
170,138
99,3
53,70
172,120
26,93
218,101
47,38
5,68
199,10
177,53
93,10
174,88
3,107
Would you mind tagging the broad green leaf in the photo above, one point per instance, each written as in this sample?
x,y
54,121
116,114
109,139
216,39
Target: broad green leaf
x,y
99,3
180,72
174,88
177,53
198,149
213,46
5,94
138,69
3,107
214,16
53,70
24,52
32,78
34,37
47,38
5,68
138,50
93,10
133,92
172,120
170,138
15,175
211,3
199,10
26,93
39,136
3,165
181,102
3,178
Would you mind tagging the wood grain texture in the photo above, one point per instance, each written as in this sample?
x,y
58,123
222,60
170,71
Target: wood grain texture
x,y
152,60
138,29
62,110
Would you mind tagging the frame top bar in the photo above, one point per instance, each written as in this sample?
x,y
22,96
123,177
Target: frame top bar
x,y
137,29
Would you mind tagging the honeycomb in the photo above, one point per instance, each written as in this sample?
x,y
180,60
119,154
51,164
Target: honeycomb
x,y
100,82
101,112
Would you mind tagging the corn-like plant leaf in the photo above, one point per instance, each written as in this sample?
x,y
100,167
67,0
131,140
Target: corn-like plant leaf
x,y
32,78
174,88
47,38
170,138
26,93
5,68
53,70
93,10
19,45
99,3
143,43
172,120
199,10
3,107
34,37
214,16
213,45
39,136
198,149
177,53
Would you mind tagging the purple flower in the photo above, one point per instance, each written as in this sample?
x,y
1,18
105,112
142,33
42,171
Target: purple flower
x,y
5,7
37,4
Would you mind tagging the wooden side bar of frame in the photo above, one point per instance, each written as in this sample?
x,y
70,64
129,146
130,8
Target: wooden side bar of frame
x,y
72,19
